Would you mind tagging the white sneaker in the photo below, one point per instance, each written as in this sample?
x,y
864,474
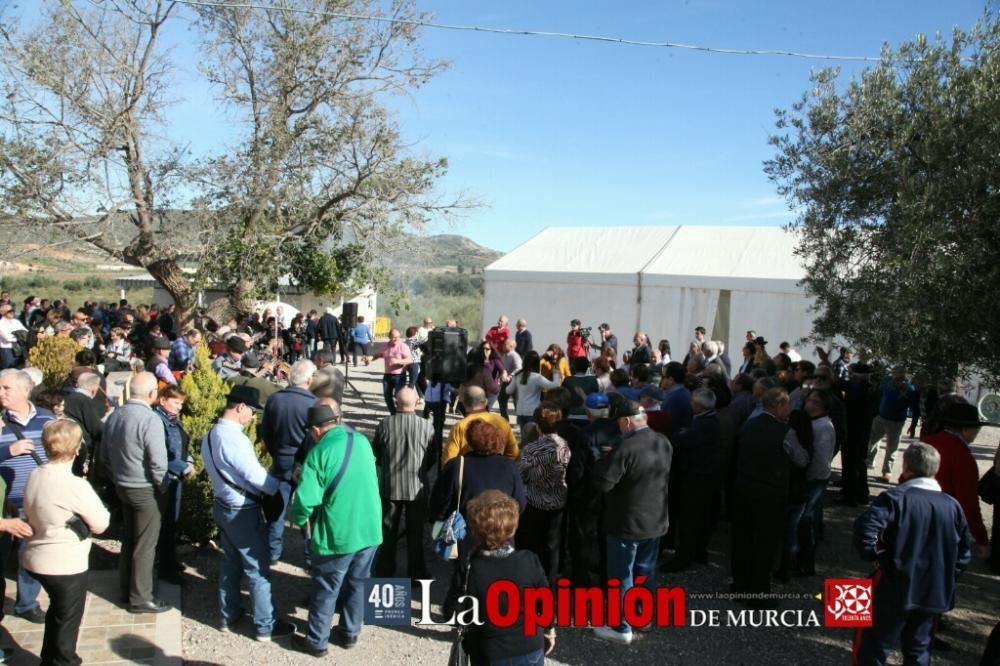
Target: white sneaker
x,y
609,634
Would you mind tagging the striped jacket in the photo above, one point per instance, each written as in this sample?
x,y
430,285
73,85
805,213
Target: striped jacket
x,y
400,445
15,470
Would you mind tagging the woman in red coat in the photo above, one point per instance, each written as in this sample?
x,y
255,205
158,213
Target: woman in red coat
x,y
959,473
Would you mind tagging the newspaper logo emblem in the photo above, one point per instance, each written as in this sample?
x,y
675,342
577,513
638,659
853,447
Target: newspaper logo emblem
x,y
847,602
387,601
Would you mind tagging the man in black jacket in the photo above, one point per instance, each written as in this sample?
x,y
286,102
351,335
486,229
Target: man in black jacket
x,y
522,339
762,471
634,478
697,455
329,331
79,406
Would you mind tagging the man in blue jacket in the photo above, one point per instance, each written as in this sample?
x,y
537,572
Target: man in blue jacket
x,y
677,400
283,429
919,539
892,409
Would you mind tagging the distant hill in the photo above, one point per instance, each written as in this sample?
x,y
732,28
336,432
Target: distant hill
x,y
445,251
434,253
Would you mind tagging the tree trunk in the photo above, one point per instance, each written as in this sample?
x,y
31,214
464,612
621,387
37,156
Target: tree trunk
x,y
178,285
242,296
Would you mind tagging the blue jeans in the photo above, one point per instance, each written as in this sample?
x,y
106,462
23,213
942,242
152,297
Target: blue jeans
x,y
391,384
536,658
276,530
363,348
627,560
28,586
413,377
329,574
243,536
812,516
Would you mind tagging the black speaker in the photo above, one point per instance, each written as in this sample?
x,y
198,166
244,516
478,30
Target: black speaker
x,y
447,348
349,315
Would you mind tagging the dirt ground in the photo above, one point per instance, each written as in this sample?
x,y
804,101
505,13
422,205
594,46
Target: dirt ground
x,y
971,622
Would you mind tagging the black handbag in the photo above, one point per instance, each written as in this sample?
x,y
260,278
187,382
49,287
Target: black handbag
x,y
458,656
989,487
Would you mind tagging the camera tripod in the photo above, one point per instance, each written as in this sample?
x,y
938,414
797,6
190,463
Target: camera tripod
x,y
347,379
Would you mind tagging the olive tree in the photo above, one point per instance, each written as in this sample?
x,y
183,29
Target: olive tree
x,y
896,178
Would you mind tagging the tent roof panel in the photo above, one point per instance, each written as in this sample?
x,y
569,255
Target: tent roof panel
x,y
684,256
585,249
753,253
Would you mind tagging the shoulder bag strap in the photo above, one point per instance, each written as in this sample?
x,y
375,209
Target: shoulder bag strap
x,y
19,434
218,470
343,468
462,629
461,474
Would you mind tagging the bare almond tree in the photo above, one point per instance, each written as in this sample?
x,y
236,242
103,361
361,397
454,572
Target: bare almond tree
x,y
316,190
84,93
323,183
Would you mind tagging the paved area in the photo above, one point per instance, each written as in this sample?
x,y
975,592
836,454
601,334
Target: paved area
x,y
110,634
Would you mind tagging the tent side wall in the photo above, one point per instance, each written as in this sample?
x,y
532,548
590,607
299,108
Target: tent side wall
x,y
776,316
727,279
548,308
673,312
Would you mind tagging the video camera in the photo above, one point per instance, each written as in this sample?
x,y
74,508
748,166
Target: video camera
x,y
585,332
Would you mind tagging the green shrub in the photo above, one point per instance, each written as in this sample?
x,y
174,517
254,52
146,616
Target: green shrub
x,y
206,399
73,285
94,282
55,357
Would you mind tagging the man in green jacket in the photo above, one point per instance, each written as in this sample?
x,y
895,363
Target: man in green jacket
x,y
338,497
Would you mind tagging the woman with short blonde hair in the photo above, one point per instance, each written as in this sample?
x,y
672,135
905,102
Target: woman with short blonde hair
x,y
63,510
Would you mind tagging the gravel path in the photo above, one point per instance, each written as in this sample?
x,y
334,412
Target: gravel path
x,y
977,612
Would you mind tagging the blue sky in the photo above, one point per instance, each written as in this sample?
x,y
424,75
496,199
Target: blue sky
x,y
548,131
557,132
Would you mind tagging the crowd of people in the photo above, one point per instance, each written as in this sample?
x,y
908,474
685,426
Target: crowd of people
x,y
127,459
611,465
626,462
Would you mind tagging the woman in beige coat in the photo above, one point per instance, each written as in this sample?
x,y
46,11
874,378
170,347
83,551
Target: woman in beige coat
x,y
63,510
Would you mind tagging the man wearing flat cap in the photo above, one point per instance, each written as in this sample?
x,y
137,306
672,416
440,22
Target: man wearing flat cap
x,y
959,473
338,496
585,503
238,484
251,375
634,478
158,363
229,364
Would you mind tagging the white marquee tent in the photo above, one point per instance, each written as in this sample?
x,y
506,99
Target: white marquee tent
x,y
660,280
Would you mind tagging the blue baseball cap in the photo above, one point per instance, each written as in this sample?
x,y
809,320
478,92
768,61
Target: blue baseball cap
x,y
651,391
597,401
